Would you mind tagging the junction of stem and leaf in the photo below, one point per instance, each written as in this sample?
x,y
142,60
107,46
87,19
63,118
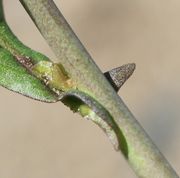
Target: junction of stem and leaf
x,y
36,76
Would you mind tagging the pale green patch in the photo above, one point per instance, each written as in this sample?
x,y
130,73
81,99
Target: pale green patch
x,y
89,114
53,75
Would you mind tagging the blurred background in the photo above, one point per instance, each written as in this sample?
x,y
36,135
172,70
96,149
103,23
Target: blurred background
x,y
39,140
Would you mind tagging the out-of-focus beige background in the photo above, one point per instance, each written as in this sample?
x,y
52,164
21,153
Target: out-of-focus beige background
x,y
40,140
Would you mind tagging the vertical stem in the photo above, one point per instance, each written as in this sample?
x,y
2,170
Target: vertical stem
x,y
1,11
143,156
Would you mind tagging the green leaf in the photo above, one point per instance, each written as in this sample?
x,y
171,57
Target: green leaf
x,y
15,77
89,108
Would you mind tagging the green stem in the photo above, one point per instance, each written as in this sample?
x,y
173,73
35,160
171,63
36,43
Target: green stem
x,y
143,156
1,11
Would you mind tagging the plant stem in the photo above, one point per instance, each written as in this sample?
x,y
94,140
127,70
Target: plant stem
x,y
1,11
143,156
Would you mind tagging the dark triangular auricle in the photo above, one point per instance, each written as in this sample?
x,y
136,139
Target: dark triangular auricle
x,y
118,76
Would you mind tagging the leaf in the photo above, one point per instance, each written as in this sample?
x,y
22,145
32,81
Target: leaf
x,y
88,107
15,77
